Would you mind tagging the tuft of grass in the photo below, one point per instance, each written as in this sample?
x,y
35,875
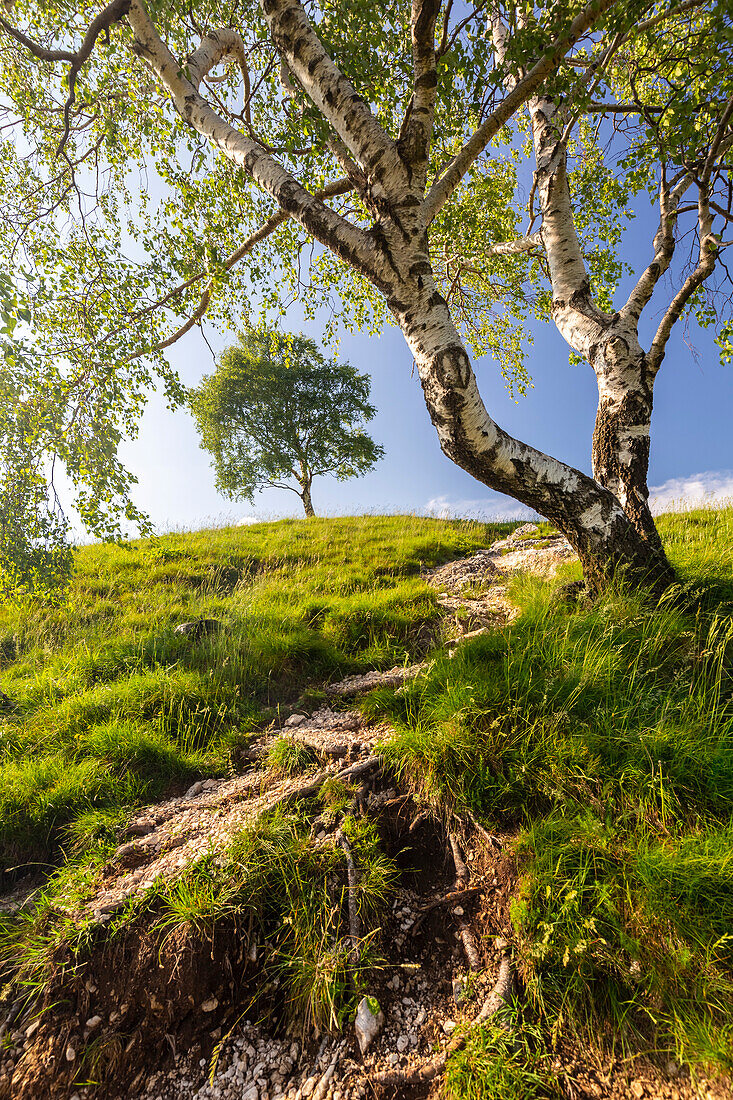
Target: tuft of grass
x,y
290,893
502,1061
289,756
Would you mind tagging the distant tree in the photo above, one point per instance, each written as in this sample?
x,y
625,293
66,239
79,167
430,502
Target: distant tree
x,y
276,411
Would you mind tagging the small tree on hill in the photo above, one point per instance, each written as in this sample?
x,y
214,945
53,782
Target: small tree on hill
x,y
276,411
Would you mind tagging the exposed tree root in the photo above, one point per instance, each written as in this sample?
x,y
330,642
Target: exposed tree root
x,y
455,897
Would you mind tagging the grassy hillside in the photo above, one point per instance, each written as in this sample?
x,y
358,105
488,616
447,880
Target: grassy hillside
x,y
600,737
110,707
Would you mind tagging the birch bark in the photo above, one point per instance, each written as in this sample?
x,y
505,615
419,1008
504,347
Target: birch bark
x,y
610,342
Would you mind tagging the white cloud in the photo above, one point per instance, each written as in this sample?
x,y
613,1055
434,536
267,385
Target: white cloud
x,y
707,488
485,509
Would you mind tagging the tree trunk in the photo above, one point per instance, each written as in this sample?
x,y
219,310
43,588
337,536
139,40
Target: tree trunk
x,y
622,431
608,340
305,496
587,513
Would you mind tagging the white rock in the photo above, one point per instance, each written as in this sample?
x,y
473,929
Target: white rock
x,y
93,1021
295,720
402,1043
368,1023
449,1026
70,1053
210,1005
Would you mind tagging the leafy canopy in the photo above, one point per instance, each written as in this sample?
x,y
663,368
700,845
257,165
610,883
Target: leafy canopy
x,y
276,411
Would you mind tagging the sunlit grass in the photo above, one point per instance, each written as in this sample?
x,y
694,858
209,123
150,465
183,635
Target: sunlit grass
x,y
111,707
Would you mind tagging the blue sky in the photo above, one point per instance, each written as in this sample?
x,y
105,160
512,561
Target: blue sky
x,y
692,442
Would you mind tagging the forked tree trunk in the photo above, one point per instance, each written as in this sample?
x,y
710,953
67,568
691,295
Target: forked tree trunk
x,y
393,254
588,514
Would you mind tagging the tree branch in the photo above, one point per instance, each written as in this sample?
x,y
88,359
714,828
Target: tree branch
x,y
664,244
331,92
339,187
621,109
348,241
524,88
109,15
414,142
502,248
708,254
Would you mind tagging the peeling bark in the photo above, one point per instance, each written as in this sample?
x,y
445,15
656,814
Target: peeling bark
x,y
609,342
621,436
587,513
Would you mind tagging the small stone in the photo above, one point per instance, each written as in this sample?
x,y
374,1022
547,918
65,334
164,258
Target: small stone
x,y
32,1029
93,1021
198,629
449,1026
368,1023
672,1069
70,1053
500,943
402,1043
210,1005
308,1087
637,1089
295,720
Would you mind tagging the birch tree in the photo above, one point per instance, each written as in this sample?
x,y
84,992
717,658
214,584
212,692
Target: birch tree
x,y
369,129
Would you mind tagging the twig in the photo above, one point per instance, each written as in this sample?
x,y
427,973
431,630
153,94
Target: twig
x,y
354,921
454,897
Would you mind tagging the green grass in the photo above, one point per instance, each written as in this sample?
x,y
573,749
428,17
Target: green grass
x,y
504,1059
604,735
112,708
